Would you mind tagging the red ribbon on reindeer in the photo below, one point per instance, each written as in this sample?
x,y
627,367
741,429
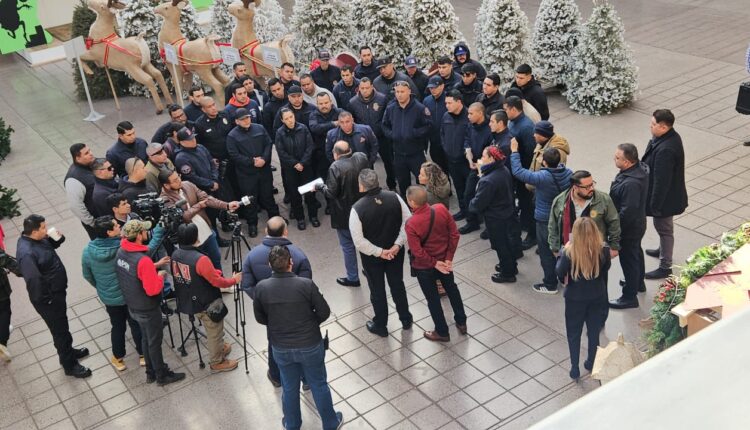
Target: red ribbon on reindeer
x,y
184,62
109,42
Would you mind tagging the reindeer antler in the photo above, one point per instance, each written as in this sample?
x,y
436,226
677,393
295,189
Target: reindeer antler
x,y
109,3
176,2
246,3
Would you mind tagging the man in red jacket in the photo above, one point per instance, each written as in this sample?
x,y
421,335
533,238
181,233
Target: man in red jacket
x,y
433,239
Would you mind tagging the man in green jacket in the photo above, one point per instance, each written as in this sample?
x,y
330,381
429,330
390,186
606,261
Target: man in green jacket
x,y
98,261
583,200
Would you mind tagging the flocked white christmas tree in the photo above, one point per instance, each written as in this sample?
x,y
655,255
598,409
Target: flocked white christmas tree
x,y
556,34
222,25
505,43
435,30
479,27
138,17
382,25
603,74
320,24
189,23
269,21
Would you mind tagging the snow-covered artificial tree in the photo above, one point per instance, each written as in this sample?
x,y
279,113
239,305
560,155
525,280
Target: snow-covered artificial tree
x,y
556,34
603,75
435,29
222,25
320,24
269,21
505,41
479,27
382,25
189,22
139,17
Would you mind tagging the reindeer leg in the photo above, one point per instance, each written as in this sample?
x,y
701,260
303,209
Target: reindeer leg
x,y
145,79
85,57
159,78
208,77
219,74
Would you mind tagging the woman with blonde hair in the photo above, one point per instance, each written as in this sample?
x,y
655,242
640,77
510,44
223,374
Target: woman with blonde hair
x,y
583,265
436,182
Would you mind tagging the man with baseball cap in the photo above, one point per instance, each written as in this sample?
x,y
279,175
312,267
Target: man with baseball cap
x,y
462,55
417,75
157,162
135,184
435,102
194,162
142,287
388,77
470,87
326,75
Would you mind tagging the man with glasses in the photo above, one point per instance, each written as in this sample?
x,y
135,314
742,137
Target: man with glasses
x,y
176,114
470,87
104,186
582,200
157,162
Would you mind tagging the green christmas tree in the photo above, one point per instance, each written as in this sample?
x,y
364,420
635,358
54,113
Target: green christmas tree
x,y
603,74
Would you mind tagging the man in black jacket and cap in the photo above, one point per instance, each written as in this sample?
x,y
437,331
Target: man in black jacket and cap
x,y
127,146
532,90
388,78
249,148
342,189
462,55
629,191
667,195
47,284
79,186
470,87
326,75
416,74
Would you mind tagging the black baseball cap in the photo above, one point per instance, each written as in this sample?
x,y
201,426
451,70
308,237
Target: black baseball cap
x,y
294,89
382,61
241,113
435,81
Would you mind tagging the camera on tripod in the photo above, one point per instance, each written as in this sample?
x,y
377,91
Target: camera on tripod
x,y
228,217
151,208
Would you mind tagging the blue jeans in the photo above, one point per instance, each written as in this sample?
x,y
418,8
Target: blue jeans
x,y
211,248
310,362
350,253
546,257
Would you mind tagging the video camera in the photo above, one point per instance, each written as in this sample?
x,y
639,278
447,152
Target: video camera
x,y
227,217
151,208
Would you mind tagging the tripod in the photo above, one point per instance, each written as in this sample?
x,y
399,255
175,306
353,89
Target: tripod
x,y
235,249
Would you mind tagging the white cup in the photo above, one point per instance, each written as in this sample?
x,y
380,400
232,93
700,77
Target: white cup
x,y
54,234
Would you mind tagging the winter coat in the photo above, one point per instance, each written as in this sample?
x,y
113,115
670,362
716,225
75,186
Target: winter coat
x,y
534,94
601,210
320,124
385,86
491,103
252,107
11,265
665,156
99,266
494,199
244,145
523,130
164,131
362,139
152,175
420,80
343,94
457,66
102,189
119,153
549,183
131,190
629,192
369,112
312,99
301,115
502,141
440,194
192,195
451,81
437,110
255,268
408,127
294,145
469,93
453,131
197,166
371,72
326,78
270,110
556,141
41,267
212,134
478,137
342,187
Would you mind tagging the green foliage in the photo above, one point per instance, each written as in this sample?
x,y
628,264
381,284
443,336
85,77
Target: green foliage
x,y
99,88
666,330
5,132
8,205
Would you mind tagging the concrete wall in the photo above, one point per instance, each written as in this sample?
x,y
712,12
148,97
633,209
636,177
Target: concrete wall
x,y
55,12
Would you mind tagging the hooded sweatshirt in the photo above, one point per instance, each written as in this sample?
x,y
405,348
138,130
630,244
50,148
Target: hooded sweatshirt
x,y
549,182
457,66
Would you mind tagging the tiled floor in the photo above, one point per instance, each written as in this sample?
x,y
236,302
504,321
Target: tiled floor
x,y
508,373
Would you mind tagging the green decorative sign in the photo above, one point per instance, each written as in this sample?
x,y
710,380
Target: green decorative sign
x,y
20,27
200,4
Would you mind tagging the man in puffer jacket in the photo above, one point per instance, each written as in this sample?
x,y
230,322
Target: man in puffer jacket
x,y
552,180
98,261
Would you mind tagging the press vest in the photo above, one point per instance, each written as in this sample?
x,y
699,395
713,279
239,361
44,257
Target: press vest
x,y
191,287
132,287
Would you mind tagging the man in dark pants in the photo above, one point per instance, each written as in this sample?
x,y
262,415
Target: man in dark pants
x,y
142,289
494,202
667,195
407,123
433,239
478,137
249,148
368,108
79,186
453,129
522,129
47,284
292,308
435,102
322,120
629,191
8,265
255,268
377,224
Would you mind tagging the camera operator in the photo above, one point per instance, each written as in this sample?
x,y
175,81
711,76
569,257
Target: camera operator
x,y
193,270
8,264
135,184
142,287
99,269
175,189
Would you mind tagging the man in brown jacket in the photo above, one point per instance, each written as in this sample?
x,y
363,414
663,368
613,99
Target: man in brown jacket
x,y
545,136
196,201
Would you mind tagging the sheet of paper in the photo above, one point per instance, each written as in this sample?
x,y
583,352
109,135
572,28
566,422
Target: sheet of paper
x,y
310,186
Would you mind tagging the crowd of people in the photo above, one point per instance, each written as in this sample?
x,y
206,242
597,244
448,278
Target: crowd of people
x,y
497,152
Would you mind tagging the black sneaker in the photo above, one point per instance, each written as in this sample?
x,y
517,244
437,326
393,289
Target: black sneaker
x,y
653,252
458,216
623,303
347,283
301,224
315,221
170,377
544,289
658,273
79,353
78,371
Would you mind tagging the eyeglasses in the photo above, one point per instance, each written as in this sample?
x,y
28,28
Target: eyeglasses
x,y
586,187
159,152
